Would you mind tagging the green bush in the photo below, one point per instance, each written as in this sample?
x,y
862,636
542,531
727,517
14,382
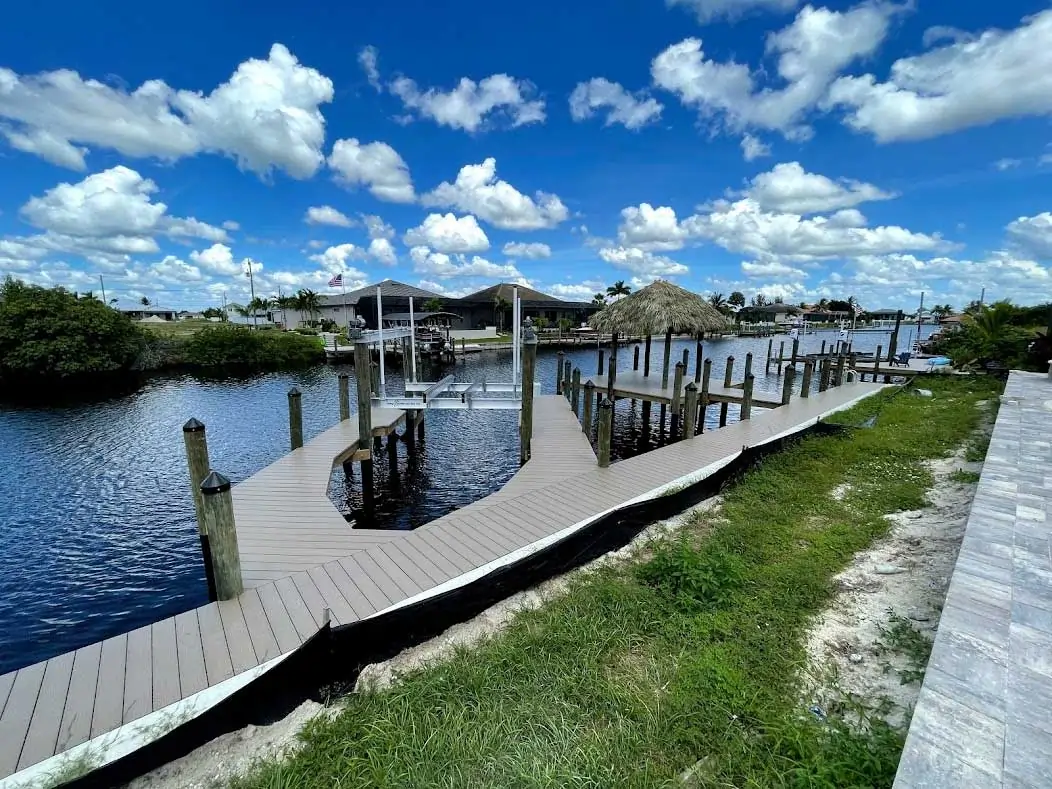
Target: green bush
x,y
1001,333
689,577
238,347
49,333
307,332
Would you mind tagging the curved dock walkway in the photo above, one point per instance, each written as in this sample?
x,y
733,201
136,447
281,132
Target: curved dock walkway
x,y
107,698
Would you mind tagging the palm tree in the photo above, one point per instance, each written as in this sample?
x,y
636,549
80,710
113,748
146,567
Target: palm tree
x,y
144,301
618,289
259,304
434,304
759,300
240,309
500,305
309,302
717,300
737,299
114,302
285,303
599,300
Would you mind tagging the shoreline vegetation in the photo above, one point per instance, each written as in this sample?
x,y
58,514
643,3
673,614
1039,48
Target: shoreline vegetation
x,y
681,666
51,336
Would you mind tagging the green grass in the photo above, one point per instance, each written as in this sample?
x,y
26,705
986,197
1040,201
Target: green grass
x,y
678,668
902,637
965,477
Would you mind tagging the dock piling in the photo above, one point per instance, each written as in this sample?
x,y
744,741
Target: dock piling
x,y
567,377
677,396
635,358
606,421
787,384
839,378
748,365
295,417
823,375
575,391
589,400
796,348
217,508
699,356
728,373
746,412
529,363
363,380
781,355
667,358
600,367
706,375
690,409
197,462
559,370
646,357
805,385
345,396
770,352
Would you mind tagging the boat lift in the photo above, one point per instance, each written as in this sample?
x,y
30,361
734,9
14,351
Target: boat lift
x,y
447,393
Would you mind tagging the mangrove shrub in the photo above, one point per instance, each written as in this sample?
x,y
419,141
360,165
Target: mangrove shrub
x,y
239,347
51,333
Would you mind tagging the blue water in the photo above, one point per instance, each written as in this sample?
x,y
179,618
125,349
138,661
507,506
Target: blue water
x,y
97,534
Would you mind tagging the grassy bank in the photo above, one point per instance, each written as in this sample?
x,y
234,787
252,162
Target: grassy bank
x,y
682,661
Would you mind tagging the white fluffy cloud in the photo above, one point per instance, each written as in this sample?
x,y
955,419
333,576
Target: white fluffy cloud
x,y
266,116
376,166
633,111
708,10
439,264
382,251
532,251
771,269
471,105
478,191
969,82
335,258
368,59
754,148
642,262
583,291
377,227
1033,234
217,259
789,188
327,215
649,228
811,52
111,212
744,227
448,233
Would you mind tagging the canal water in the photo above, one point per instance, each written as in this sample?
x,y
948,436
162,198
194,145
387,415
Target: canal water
x,y
97,534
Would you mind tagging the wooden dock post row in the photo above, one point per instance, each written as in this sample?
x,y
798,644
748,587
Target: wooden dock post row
x,y
727,373
559,372
575,391
706,376
567,376
589,399
677,389
606,423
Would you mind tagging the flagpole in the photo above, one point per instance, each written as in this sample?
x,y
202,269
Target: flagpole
x,y
346,319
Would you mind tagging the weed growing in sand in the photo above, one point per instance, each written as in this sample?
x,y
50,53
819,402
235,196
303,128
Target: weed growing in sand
x,y
903,638
678,668
964,477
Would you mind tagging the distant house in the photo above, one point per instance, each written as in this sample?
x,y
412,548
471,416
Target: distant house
x,y
882,315
345,307
779,314
480,308
150,314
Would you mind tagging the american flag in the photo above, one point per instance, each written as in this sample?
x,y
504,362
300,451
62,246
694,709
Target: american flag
x,y
337,280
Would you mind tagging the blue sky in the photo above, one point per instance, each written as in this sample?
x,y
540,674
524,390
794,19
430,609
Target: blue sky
x,y
867,149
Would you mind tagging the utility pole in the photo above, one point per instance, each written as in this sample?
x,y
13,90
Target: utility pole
x,y
252,288
982,298
103,286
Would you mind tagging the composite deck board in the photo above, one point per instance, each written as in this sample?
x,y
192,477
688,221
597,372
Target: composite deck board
x,y
300,556
47,714
17,714
112,670
75,727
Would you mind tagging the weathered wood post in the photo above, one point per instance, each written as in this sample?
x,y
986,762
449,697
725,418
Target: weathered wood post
x,y
787,384
295,417
840,370
567,378
345,396
646,356
217,510
559,372
196,443
823,376
796,348
677,396
748,365
747,397
727,374
611,373
575,391
823,351
374,377
529,363
606,422
770,351
635,359
893,346
781,353
699,357
686,360
666,359
589,399
876,363
363,381
600,367
706,375
805,385
690,409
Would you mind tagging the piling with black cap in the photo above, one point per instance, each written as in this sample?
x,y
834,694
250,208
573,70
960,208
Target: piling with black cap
x,y
787,384
217,507
295,417
690,409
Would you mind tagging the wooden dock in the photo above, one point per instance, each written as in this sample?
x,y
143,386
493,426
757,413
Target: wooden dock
x,y
632,384
96,699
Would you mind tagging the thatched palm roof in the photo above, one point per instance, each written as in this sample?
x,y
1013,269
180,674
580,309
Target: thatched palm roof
x,y
658,308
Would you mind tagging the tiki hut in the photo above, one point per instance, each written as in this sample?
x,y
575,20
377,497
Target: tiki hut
x,y
659,308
